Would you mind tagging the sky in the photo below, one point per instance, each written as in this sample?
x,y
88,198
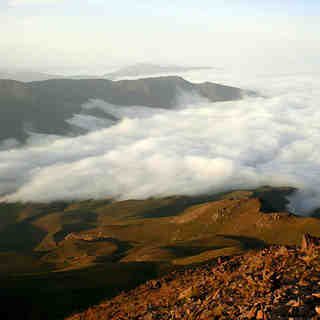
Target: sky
x,y
75,36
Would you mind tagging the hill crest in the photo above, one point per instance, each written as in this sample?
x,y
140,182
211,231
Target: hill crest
x,y
46,106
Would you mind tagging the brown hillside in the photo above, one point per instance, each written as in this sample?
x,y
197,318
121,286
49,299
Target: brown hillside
x,y
274,283
88,251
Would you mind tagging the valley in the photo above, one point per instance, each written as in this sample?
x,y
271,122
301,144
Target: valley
x,y
159,160
72,255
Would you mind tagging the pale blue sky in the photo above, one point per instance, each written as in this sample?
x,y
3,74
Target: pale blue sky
x,y
95,34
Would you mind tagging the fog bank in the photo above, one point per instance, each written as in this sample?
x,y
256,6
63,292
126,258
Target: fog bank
x,y
199,147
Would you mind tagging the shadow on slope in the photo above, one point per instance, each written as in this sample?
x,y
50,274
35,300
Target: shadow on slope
x,y
56,295
181,251
247,243
273,199
21,236
122,248
75,221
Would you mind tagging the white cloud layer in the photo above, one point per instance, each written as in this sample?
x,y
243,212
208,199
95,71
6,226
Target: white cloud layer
x,y
204,147
16,3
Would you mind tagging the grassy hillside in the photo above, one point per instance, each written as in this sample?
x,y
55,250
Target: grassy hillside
x,y
120,244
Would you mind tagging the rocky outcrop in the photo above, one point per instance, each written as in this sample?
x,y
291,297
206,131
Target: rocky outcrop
x,y
278,282
86,237
309,243
217,210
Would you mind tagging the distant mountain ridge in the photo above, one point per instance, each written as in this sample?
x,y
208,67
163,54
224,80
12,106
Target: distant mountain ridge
x,y
135,70
44,106
146,69
27,76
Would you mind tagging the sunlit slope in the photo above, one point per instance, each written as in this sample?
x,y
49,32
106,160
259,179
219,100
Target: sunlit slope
x,y
86,251
76,234
278,282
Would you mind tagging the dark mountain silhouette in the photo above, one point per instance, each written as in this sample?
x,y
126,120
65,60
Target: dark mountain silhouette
x,y
44,106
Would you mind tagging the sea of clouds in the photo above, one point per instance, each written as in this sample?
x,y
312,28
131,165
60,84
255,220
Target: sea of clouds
x,y
199,147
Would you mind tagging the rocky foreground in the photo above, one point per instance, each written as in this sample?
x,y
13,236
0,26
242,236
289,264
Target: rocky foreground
x,y
278,282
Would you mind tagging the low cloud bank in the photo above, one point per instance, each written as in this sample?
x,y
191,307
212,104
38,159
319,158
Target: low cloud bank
x,y
203,147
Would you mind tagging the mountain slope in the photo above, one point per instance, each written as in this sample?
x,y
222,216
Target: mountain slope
x,y
44,106
273,283
87,251
176,230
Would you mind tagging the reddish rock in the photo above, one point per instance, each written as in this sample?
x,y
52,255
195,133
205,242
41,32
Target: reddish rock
x,y
309,243
273,283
